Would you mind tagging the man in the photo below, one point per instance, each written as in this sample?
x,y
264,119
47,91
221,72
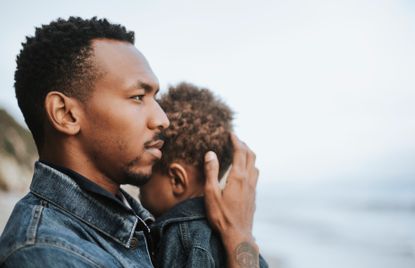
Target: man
x,y
88,97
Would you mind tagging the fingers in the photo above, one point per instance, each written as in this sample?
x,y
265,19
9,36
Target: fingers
x,y
212,173
243,165
253,177
252,170
250,158
239,153
213,192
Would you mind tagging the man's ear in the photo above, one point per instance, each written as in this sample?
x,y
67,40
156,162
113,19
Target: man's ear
x,y
63,113
179,179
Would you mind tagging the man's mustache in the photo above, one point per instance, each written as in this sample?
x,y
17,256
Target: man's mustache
x,y
157,137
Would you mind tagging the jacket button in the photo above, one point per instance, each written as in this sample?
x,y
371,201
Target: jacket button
x,y
133,243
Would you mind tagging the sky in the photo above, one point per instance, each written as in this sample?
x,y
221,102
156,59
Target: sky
x,y
323,90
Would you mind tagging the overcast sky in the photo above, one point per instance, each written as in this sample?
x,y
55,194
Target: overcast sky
x,y
322,89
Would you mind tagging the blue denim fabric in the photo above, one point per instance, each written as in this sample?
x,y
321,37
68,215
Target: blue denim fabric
x,y
58,224
184,238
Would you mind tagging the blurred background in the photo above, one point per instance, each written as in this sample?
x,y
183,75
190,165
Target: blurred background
x,y
324,93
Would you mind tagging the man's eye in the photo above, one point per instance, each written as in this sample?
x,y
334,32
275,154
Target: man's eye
x,y
138,97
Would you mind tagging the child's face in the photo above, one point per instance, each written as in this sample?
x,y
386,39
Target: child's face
x,y
165,190
156,195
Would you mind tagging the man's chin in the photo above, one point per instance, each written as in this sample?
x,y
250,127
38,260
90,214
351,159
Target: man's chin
x,y
137,178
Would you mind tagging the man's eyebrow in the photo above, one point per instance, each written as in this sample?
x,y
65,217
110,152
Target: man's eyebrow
x,y
147,87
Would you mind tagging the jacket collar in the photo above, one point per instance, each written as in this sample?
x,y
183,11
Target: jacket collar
x,y
106,216
188,210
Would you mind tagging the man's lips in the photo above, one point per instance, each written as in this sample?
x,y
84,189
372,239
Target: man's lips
x,y
158,144
154,148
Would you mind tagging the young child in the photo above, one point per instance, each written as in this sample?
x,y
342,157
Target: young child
x,y
199,122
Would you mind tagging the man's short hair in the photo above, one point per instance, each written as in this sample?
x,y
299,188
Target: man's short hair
x,y
58,58
199,122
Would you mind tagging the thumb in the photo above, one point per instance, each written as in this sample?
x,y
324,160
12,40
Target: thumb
x,y
211,173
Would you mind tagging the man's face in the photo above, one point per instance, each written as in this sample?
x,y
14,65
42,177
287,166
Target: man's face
x,y
122,118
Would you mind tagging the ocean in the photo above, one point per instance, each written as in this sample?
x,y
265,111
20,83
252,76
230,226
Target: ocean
x,y
360,224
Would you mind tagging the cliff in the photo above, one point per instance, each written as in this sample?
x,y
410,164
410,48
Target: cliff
x,y
17,154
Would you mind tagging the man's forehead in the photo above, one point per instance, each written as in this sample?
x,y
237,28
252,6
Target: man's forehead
x,y
115,53
123,59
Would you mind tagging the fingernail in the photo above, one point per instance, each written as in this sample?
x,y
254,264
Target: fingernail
x,y
210,156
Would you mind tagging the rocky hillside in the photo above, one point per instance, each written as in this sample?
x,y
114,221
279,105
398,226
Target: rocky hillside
x,y
17,154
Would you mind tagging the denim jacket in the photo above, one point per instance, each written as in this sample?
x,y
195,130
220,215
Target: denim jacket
x,y
58,224
184,238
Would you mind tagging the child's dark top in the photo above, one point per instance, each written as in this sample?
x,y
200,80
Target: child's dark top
x,y
184,238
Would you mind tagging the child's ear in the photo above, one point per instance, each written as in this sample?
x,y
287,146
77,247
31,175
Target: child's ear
x,y
179,179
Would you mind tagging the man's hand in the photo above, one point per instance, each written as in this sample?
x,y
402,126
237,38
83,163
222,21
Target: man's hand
x,y
231,210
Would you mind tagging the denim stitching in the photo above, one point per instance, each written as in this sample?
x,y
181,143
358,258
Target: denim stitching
x,y
93,201
34,223
55,245
184,235
88,223
206,252
147,250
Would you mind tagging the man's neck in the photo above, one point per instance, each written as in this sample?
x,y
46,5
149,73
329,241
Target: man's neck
x,y
82,165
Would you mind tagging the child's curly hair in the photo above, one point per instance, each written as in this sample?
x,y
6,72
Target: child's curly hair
x,y
199,122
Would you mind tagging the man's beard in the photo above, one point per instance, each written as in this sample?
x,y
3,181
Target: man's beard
x,y
136,178
139,178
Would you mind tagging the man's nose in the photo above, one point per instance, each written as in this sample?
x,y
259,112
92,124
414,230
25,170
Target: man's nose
x,y
158,119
